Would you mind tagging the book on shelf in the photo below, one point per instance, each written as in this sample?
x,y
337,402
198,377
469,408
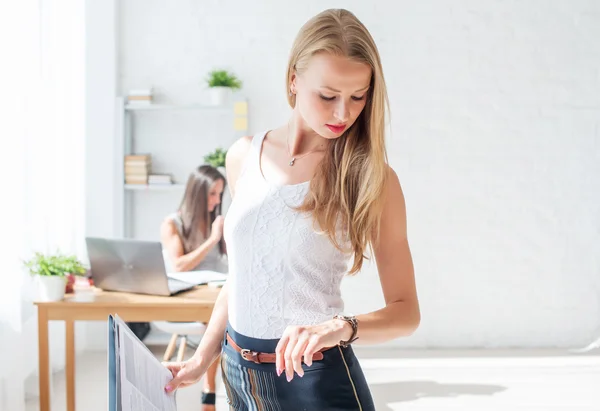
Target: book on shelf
x,y
138,157
138,171
139,102
138,164
139,97
133,166
136,179
137,168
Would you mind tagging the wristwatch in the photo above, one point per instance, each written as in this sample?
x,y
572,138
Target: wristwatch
x,y
350,319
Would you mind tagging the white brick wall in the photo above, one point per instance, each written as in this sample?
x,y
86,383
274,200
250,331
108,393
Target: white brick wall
x,y
495,136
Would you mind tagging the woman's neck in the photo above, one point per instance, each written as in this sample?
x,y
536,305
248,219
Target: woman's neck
x,y
301,138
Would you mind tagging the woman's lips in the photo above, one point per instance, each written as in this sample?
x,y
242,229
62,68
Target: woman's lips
x,y
336,128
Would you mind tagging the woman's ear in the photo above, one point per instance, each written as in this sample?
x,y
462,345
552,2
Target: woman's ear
x,y
293,83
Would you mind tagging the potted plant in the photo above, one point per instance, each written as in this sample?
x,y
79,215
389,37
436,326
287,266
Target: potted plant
x,y
51,272
217,159
221,84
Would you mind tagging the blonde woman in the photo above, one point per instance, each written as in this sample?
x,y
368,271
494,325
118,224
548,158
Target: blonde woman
x,y
309,199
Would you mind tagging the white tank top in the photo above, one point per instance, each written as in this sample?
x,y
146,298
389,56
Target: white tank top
x,y
212,261
282,271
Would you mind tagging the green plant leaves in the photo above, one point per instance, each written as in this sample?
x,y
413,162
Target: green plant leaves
x,y
216,158
56,265
222,78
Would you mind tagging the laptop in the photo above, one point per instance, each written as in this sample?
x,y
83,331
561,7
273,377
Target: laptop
x,y
132,266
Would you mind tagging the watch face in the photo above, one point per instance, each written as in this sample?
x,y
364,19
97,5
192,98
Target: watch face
x,y
349,318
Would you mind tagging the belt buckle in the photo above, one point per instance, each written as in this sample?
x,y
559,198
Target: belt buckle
x,y
252,354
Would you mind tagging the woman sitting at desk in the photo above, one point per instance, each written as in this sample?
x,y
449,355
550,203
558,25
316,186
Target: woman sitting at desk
x,y
193,240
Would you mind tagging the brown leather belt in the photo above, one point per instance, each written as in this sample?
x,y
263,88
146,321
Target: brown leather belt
x,y
262,357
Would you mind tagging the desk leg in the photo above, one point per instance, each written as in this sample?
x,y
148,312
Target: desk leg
x,y
70,364
43,359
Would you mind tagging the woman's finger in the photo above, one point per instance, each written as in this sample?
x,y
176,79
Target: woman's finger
x,y
174,367
180,377
279,351
287,356
312,346
297,354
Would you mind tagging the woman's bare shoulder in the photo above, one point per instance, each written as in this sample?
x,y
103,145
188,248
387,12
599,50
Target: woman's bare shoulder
x,y
168,226
238,151
236,155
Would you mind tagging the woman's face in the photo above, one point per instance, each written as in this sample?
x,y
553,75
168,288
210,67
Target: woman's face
x,y
331,93
214,195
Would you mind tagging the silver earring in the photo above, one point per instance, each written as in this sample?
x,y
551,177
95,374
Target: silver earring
x,y
291,93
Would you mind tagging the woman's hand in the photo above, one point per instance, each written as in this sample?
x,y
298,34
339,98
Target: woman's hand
x,y
216,231
185,373
300,342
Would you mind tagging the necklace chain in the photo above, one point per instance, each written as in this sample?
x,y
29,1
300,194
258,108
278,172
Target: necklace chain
x,y
294,158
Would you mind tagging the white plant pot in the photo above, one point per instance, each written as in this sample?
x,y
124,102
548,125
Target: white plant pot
x,y
222,171
50,288
219,96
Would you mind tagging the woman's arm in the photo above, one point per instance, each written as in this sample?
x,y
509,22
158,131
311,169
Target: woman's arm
x,y
169,237
399,317
210,345
189,372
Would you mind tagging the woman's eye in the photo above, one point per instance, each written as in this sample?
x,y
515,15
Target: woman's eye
x,y
326,98
333,98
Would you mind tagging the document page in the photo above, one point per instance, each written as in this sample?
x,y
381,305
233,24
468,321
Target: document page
x,y
143,377
198,277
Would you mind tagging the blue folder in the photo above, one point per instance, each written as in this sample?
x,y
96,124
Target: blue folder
x,y
114,403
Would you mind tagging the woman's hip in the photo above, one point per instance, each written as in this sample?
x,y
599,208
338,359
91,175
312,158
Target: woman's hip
x,y
335,382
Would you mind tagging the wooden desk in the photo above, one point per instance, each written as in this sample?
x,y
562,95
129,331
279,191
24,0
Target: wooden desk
x,y
194,305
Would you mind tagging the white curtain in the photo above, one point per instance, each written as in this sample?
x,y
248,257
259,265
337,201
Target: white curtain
x,y
41,167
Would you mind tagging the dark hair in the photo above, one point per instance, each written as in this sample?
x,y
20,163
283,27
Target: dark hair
x,y
193,210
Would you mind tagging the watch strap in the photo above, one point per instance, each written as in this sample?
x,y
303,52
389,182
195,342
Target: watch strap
x,y
354,323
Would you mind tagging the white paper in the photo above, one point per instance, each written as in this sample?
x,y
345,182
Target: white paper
x,y
143,377
198,277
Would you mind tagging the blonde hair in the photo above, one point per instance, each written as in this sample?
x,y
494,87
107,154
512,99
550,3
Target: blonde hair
x,y
349,187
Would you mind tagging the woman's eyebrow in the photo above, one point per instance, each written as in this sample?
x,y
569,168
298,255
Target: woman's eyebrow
x,y
338,91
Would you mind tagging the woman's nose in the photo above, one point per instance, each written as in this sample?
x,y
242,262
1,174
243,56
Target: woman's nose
x,y
341,112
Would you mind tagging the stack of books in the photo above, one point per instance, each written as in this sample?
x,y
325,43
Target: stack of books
x,y
137,168
160,179
140,97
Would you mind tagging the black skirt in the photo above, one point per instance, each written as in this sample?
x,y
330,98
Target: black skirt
x,y
335,383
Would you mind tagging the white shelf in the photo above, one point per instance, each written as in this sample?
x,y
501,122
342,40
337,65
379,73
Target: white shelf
x,y
154,187
128,115
133,107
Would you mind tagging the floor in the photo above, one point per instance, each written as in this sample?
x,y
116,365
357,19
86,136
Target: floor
x,y
540,380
